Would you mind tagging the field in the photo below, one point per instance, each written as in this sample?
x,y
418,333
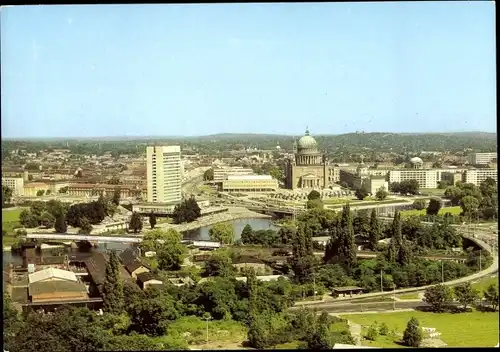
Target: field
x,y
10,221
473,329
405,296
221,333
453,210
432,191
483,284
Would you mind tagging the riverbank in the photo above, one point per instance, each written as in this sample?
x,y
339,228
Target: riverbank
x,y
233,213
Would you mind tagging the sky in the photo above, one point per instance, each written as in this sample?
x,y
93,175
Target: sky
x,y
186,70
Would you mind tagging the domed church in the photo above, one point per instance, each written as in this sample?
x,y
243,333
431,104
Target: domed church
x,y
309,168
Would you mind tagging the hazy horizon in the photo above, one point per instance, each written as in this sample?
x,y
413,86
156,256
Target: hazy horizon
x,y
129,71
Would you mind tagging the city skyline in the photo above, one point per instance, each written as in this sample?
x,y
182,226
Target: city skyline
x,y
146,70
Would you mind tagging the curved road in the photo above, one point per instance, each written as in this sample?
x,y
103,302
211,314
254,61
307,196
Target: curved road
x,y
488,271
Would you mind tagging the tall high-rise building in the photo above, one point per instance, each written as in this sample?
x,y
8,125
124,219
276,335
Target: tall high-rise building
x,y
164,174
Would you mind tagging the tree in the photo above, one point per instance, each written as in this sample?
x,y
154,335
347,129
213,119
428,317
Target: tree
x,y
361,193
112,292
222,232
11,321
314,204
247,234
302,260
381,194
313,195
434,206
412,336
152,220
220,264
85,226
384,329
6,195
491,295
47,219
135,222
438,296
375,230
208,175
454,194
116,196
28,219
170,252
40,192
470,206
488,187
60,224
465,294
419,204
187,211
63,190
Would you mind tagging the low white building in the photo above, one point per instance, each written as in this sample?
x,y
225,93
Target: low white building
x,y
250,183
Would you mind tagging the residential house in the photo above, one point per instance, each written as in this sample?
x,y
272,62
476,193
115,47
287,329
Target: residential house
x,y
147,279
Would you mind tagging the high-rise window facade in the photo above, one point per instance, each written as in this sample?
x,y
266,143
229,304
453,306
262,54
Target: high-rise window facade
x,y
164,174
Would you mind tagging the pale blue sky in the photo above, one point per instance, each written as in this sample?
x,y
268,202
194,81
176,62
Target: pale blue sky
x,y
123,70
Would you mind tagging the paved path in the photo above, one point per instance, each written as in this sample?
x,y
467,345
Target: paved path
x,y
355,330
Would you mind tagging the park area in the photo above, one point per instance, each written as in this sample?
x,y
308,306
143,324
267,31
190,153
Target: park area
x,y
10,221
452,210
474,329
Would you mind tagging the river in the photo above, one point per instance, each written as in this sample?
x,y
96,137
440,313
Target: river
x,y
197,234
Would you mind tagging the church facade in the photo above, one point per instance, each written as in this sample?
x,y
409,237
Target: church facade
x,y
309,168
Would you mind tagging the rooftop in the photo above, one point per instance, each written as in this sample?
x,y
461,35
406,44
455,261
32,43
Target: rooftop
x,y
52,273
249,177
39,288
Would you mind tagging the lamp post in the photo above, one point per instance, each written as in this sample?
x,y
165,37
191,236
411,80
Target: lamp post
x,y
207,318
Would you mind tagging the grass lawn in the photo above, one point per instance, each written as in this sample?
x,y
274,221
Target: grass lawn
x,y
483,284
453,210
10,221
221,332
340,200
413,295
432,191
475,329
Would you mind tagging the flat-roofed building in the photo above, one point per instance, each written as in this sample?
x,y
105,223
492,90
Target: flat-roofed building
x,y
222,173
16,184
425,178
164,178
481,158
476,176
94,189
250,183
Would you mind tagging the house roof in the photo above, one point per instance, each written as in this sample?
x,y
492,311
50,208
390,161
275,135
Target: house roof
x,y
128,256
96,266
145,277
134,265
39,288
52,273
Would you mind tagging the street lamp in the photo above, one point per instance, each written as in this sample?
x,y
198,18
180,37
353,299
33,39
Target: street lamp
x,y
207,318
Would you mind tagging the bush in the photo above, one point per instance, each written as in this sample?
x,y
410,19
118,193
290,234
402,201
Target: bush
x,y
384,329
412,336
372,333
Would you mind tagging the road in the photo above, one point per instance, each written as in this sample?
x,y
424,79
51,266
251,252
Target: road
x,y
343,307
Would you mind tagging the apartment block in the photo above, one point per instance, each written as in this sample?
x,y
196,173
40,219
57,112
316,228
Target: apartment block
x,y
16,184
481,158
164,182
476,176
425,178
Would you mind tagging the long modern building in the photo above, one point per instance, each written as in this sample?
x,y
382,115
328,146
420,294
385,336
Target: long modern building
x,y
164,174
476,176
222,173
481,158
250,183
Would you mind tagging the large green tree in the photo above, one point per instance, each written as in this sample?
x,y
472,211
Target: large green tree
x,y
375,233
170,252
187,211
438,296
412,336
112,290
222,232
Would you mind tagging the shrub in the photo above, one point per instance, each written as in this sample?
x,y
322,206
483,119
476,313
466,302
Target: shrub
x,y
384,329
372,333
